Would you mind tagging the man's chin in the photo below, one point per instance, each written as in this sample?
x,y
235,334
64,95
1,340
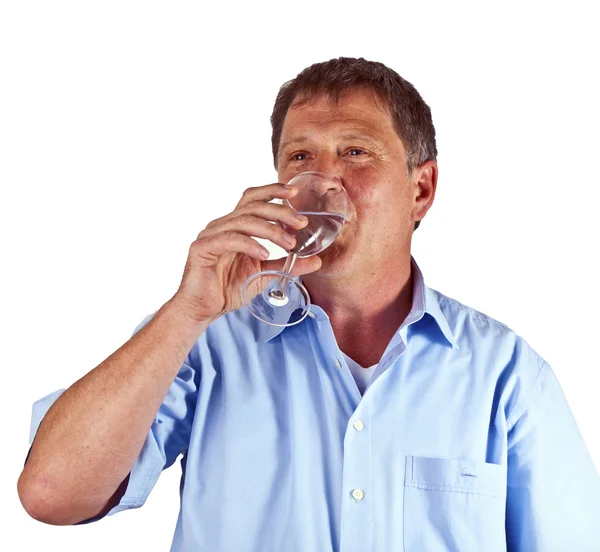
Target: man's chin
x,y
335,259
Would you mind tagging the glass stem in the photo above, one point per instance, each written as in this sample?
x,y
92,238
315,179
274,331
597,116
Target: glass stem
x,y
287,269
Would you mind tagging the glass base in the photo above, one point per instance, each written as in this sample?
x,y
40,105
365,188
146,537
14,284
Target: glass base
x,y
282,296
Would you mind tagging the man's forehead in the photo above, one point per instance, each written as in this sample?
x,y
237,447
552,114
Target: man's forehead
x,y
352,111
358,99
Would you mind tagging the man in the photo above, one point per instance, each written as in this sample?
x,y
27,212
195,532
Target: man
x,y
392,418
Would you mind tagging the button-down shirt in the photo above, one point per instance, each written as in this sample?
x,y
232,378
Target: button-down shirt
x,y
463,441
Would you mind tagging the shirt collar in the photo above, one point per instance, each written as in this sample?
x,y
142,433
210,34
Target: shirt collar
x,y
425,301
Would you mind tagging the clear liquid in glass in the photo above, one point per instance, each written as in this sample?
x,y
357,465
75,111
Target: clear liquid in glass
x,y
318,234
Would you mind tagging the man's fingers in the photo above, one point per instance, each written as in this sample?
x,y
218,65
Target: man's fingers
x,y
214,246
266,193
256,226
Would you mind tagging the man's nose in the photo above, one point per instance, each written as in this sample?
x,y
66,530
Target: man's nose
x,y
333,184
332,168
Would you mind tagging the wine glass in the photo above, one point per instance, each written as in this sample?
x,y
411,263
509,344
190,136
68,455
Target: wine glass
x,y
323,201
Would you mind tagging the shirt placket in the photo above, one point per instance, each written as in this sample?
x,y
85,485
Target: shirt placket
x,y
356,523
357,482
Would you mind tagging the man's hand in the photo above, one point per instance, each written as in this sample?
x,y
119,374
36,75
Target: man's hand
x,y
224,255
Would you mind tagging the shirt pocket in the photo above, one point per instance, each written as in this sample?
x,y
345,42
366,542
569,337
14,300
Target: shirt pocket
x,y
453,505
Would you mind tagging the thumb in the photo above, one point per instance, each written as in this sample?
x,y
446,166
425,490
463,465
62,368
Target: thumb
x,y
301,266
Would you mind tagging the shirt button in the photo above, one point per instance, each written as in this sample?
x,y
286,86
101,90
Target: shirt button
x,y
357,495
358,425
338,363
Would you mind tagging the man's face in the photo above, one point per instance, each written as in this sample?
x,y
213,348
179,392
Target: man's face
x,y
355,141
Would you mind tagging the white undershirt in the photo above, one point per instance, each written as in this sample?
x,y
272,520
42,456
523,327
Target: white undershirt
x,y
361,375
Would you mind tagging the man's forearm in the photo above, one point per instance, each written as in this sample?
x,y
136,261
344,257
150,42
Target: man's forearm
x,y
91,436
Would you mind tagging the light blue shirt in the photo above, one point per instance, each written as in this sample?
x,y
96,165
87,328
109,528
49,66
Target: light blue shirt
x,y
463,441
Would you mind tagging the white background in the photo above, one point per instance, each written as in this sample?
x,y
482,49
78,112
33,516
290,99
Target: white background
x,y
125,127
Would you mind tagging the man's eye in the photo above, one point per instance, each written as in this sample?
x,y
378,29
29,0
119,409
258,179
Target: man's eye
x,y
355,152
298,156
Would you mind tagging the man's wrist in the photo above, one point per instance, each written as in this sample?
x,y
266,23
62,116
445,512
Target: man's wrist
x,y
179,311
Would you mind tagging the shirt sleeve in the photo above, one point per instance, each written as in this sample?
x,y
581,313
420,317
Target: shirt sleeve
x,y
168,436
553,494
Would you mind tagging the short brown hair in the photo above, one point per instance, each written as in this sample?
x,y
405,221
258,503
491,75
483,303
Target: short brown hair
x,y
410,114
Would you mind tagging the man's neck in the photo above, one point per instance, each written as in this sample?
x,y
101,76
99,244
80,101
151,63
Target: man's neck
x,y
365,310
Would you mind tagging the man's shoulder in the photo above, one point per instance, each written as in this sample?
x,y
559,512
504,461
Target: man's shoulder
x,y
498,350
475,327
455,311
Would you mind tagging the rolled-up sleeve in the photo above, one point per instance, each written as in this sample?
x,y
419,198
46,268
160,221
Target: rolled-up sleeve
x,y
168,436
553,495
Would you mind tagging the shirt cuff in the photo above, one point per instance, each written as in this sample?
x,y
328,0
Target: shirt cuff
x,y
143,476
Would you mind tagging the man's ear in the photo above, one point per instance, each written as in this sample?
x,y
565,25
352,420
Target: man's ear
x,y
425,184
